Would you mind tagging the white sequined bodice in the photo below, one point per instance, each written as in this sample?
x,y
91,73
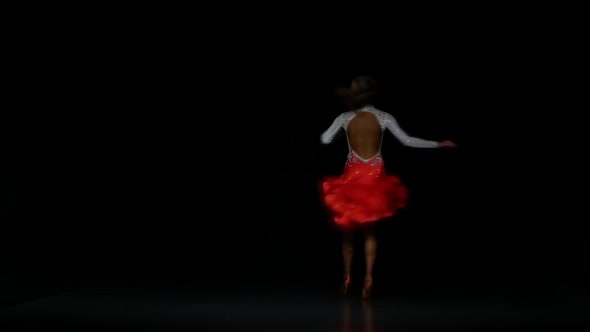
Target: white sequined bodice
x,y
385,119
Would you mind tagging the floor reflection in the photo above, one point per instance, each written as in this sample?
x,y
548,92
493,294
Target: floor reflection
x,y
367,323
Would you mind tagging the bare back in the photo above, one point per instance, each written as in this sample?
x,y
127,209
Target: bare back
x,y
364,135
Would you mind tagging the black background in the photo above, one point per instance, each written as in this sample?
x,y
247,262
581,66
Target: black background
x,y
160,146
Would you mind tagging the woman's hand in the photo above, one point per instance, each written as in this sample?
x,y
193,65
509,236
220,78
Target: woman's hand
x,y
447,144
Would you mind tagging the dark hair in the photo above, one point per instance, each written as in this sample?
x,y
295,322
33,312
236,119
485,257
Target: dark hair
x,y
365,96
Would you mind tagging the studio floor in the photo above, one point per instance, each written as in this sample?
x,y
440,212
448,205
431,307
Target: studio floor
x,y
216,309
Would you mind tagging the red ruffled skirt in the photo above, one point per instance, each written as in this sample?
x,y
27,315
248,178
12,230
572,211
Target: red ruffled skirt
x,y
363,194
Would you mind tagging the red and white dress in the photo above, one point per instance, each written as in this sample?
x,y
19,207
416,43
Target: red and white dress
x,y
364,193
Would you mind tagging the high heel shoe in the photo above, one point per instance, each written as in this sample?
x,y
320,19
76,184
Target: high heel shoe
x,y
367,289
345,288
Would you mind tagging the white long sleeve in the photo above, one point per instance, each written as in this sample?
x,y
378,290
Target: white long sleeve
x,y
385,119
391,124
329,134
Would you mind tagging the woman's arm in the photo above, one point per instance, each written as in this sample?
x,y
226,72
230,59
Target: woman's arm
x,y
329,134
405,139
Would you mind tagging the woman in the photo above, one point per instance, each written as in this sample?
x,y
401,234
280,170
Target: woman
x,y
364,194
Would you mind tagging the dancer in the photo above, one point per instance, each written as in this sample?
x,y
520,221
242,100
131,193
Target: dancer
x,y
364,194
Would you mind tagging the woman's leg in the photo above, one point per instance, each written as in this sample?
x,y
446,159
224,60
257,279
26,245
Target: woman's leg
x,y
347,253
370,254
